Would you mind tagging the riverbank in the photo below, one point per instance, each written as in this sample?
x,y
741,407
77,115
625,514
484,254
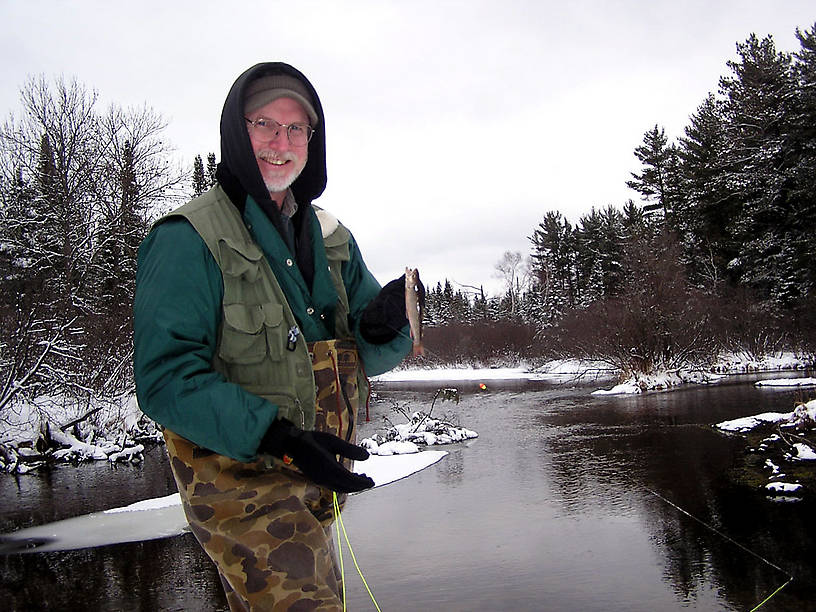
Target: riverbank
x,y
56,430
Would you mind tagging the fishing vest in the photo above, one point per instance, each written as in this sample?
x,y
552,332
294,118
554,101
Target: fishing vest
x,y
259,346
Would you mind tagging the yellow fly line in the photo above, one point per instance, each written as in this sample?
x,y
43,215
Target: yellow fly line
x,y
338,528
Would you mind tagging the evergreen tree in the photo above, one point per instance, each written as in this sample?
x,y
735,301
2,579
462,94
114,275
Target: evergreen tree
x,y
553,263
211,168
709,206
199,180
657,183
802,164
758,96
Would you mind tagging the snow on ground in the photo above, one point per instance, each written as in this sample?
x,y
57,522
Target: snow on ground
x,y
405,438
733,363
547,371
751,422
105,429
802,417
660,381
783,487
804,452
458,374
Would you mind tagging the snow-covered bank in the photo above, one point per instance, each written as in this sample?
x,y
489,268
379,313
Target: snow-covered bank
x,y
52,430
421,429
732,363
787,382
551,369
790,447
802,417
727,364
661,381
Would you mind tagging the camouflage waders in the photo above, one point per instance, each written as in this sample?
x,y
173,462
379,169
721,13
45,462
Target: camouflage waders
x,y
265,526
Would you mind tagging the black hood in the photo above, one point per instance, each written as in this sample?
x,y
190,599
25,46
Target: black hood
x,y
238,170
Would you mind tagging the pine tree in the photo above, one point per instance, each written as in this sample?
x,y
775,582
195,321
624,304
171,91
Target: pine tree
x,y
657,183
199,180
553,263
211,168
709,207
758,98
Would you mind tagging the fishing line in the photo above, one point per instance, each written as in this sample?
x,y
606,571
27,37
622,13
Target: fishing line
x,y
424,348
722,535
340,526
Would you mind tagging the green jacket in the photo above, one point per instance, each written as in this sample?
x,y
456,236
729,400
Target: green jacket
x,y
178,313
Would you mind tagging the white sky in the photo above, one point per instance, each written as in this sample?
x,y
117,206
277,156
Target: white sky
x,y
452,127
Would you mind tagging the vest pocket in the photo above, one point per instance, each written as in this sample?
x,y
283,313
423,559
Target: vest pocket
x,y
251,332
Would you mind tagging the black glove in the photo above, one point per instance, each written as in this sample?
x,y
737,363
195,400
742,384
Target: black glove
x,y
385,315
313,453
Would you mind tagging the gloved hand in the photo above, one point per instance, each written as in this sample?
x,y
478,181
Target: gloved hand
x,y
385,315
313,453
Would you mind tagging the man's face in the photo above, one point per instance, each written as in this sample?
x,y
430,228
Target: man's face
x,y
279,161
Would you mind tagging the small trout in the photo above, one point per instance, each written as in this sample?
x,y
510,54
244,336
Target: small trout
x,y
413,308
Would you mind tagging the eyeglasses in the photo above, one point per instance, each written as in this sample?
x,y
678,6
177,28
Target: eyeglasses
x,y
299,134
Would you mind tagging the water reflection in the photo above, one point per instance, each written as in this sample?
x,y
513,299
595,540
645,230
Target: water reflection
x,y
553,507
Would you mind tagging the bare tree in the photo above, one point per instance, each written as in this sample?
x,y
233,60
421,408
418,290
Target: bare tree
x,y
78,189
511,269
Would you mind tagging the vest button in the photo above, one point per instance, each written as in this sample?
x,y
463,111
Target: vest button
x,y
290,263
310,311
322,316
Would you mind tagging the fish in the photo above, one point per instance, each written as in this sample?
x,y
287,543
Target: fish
x,y
413,309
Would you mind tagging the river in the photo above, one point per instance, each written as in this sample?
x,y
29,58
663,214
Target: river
x,y
566,501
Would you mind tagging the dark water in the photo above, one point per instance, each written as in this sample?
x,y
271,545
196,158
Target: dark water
x,y
564,502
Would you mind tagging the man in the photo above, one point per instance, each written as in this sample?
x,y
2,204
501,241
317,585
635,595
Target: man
x,y
255,322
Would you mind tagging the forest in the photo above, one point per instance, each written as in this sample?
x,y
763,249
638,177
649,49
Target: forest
x,y
716,254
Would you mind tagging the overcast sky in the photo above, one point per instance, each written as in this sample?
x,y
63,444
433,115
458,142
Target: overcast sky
x,y
452,127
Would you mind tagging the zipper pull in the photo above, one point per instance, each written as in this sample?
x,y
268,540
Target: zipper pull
x,y
291,338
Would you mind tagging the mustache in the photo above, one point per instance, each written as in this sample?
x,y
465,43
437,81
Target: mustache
x,y
269,154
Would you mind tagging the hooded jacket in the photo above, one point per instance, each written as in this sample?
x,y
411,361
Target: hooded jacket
x,y
178,306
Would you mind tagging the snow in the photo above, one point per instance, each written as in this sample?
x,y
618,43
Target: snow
x,y
775,469
626,388
660,381
783,487
786,382
404,438
751,422
804,415
389,448
459,374
804,452
733,363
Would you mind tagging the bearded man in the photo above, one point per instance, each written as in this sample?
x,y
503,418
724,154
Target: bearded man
x,y
256,321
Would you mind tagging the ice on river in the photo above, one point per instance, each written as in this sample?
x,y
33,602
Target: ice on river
x,y
163,517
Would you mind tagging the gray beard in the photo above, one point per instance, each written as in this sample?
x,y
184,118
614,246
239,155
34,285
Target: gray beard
x,y
283,184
